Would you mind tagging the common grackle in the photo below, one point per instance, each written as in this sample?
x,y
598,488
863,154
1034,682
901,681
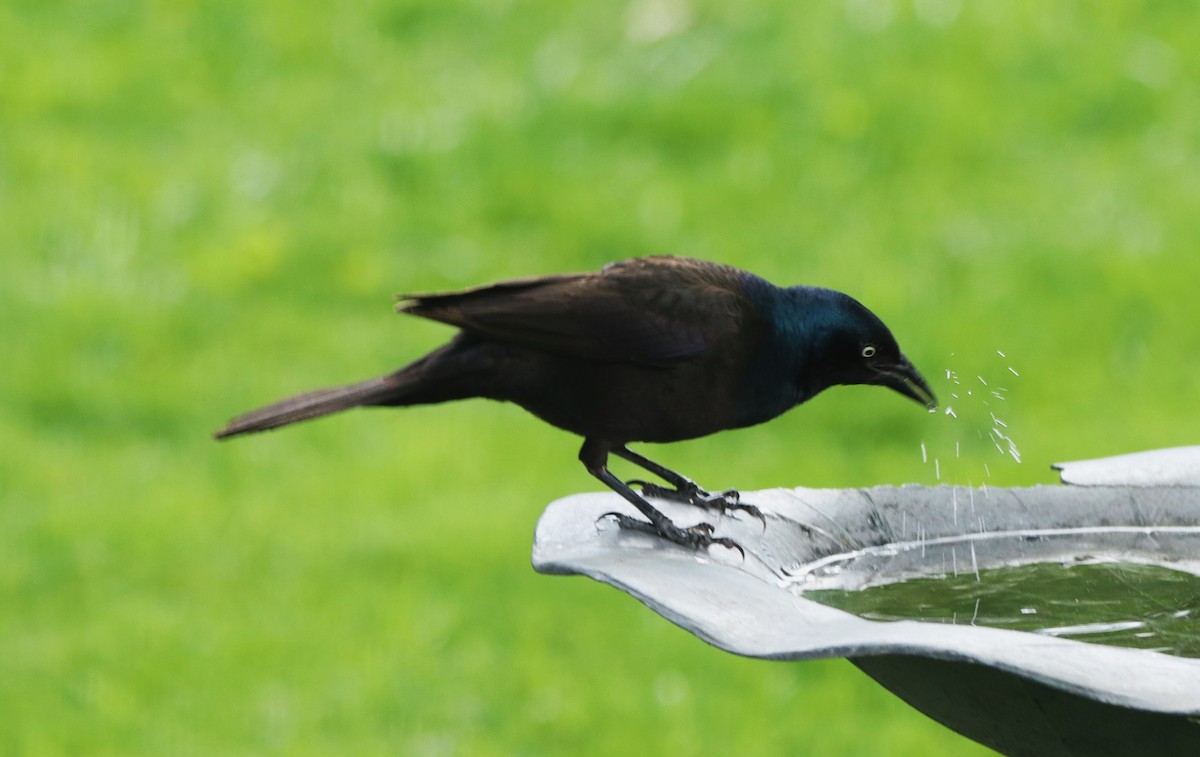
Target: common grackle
x,y
654,349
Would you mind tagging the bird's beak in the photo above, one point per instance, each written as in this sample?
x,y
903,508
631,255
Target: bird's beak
x,y
905,379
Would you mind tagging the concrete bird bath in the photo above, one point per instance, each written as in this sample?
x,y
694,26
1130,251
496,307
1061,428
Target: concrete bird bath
x,y
1040,692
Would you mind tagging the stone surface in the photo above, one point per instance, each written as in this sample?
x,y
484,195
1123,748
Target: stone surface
x,y
1177,466
1018,692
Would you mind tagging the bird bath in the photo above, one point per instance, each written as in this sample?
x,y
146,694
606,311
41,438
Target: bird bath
x,y
1045,620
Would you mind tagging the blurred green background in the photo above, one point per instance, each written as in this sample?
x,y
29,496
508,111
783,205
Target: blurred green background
x,y
207,205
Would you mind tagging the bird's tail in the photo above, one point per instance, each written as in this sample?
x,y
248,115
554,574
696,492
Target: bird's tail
x,y
377,391
454,371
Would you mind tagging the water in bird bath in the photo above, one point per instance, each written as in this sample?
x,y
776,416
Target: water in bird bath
x,y
1118,603
1129,585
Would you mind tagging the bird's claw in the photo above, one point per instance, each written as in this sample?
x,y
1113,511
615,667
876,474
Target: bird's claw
x,y
727,501
698,536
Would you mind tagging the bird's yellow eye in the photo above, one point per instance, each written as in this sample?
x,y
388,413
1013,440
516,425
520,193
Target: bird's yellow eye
x,y
869,351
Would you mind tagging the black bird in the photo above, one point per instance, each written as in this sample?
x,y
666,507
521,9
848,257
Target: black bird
x,y
654,349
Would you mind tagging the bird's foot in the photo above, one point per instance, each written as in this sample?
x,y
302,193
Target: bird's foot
x,y
699,536
725,502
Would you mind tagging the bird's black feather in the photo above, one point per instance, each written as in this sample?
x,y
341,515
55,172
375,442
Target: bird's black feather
x,y
650,349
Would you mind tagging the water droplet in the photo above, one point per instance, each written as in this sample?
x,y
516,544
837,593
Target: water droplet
x,y
1013,371
996,443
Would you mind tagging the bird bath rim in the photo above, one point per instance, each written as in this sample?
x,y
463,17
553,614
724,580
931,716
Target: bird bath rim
x,y
745,607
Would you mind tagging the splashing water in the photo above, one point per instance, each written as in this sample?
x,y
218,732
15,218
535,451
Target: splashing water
x,y
975,410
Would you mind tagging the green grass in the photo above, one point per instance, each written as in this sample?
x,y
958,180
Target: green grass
x,y
207,205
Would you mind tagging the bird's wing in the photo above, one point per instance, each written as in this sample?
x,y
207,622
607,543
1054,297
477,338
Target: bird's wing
x,y
648,310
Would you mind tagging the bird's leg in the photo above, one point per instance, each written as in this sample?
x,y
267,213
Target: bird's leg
x,y
686,490
594,456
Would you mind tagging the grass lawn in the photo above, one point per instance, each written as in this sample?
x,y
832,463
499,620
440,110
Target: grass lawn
x,y
205,206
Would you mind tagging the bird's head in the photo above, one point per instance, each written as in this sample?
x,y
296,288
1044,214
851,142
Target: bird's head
x,y
850,345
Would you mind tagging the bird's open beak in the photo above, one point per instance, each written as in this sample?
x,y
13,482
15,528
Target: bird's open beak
x,y
905,379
